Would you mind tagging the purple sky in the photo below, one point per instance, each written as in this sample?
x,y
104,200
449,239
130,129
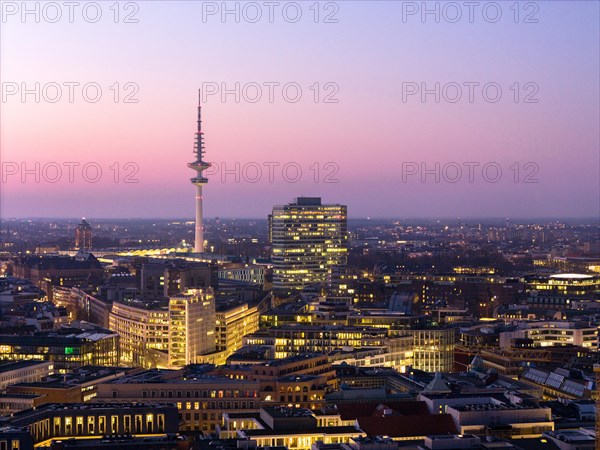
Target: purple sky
x,y
368,150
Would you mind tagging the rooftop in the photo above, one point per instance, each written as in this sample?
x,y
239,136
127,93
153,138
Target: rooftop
x,y
7,366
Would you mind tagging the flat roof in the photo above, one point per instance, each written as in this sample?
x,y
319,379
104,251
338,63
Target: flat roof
x,y
7,366
305,430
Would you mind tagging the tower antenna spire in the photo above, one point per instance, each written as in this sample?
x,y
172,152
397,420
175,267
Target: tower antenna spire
x,y
199,111
199,165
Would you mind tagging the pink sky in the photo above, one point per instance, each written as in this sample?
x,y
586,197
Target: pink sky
x,y
369,134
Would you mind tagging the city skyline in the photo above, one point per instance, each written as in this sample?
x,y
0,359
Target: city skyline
x,y
324,225
358,149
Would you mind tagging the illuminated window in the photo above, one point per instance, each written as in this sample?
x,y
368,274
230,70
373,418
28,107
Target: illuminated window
x,y
91,422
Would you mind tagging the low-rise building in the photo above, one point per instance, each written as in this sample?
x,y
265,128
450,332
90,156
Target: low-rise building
x,y
56,421
505,416
26,371
66,348
295,428
78,386
199,397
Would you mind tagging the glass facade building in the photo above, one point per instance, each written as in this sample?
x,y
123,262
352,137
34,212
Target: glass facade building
x,y
308,239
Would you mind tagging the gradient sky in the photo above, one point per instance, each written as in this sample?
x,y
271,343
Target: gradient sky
x,y
368,134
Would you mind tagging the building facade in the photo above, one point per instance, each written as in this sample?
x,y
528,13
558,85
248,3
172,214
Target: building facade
x,y
144,331
23,372
67,350
308,239
192,322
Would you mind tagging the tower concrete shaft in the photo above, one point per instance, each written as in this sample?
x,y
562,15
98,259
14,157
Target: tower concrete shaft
x,y
199,228
199,165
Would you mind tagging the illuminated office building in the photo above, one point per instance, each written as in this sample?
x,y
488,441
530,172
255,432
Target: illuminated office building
x,y
430,349
308,240
170,333
233,324
192,322
563,284
67,348
144,331
433,349
580,333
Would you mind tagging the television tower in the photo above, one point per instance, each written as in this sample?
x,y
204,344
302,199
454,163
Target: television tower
x,y
199,180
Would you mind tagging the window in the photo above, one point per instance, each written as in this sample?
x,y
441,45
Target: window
x,y
149,423
114,424
127,424
91,421
68,426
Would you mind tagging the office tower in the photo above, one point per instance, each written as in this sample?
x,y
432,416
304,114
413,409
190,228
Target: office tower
x,y
308,240
83,236
199,180
192,322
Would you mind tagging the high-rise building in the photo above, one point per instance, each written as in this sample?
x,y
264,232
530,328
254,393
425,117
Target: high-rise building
x,y
308,240
199,165
83,236
192,322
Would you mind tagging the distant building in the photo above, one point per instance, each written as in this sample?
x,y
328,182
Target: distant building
x,y
563,284
160,278
65,271
254,274
67,348
83,236
308,239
